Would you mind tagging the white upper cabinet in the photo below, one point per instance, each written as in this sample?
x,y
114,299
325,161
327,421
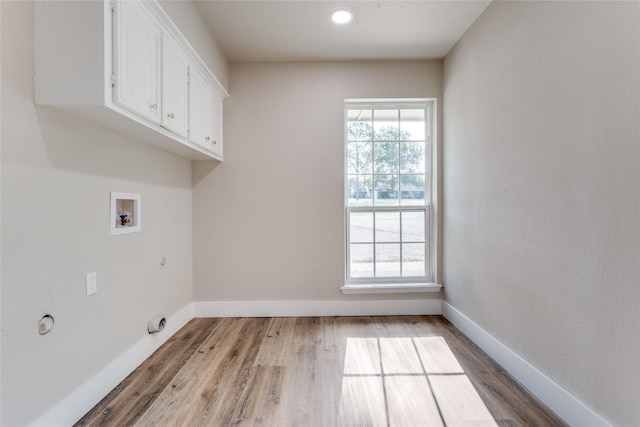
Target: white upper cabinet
x,y
137,61
174,88
125,64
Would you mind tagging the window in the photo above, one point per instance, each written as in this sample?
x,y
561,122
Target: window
x,y
388,191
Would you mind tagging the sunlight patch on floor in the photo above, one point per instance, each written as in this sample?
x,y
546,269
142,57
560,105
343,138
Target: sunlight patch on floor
x,y
407,382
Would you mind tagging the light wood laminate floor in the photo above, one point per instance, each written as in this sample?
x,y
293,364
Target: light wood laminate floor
x,y
320,371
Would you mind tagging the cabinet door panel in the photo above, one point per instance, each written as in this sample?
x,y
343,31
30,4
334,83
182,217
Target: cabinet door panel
x,y
200,114
216,123
174,88
137,58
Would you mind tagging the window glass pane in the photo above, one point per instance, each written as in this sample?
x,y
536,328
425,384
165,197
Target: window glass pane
x,y
412,190
413,259
359,158
361,227
386,190
385,125
412,158
412,124
413,223
359,125
385,155
361,260
388,260
359,114
360,190
387,227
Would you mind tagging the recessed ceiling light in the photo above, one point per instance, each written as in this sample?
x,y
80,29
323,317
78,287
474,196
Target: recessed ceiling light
x,y
341,16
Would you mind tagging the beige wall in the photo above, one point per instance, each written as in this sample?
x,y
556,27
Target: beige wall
x,y
57,173
269,220
542,191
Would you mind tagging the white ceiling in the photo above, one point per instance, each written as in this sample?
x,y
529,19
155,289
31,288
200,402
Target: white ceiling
x,y
300,30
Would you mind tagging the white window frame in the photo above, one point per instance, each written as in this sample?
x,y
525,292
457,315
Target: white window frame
x,y
356,285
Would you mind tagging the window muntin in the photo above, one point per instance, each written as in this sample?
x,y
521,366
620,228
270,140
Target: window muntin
x,y
388,191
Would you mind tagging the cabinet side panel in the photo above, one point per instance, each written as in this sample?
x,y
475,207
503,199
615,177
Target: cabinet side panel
x,y
69,47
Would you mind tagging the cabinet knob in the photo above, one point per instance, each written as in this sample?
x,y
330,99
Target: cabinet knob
x,y
207,139
170,115
154,106
214,142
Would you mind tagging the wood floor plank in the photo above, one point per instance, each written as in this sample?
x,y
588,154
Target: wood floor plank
x,y
170,406
336,330
133,396
403,326
436,356
459,402
410,402
325,372
399,356
362,401
208,387
362,356
278,343
261,397
302,398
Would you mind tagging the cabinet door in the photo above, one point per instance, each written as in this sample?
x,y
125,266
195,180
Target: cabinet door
x,y
216,122
174,88
200,110
137,61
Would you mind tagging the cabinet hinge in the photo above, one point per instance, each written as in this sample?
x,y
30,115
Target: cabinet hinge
x,y
113,79
112,4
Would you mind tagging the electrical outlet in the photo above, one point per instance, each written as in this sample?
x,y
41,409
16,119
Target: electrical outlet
x,y
163,262
92,283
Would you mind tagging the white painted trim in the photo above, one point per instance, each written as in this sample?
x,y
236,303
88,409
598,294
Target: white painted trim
x,y
316,308
559,400
391,288
78,403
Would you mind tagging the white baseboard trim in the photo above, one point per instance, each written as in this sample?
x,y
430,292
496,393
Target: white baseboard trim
x,y
85,397
559,400
317,308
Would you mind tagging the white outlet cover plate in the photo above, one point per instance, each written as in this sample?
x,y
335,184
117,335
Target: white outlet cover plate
x,y
92,283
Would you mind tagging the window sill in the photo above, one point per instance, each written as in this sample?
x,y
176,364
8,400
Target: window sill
x,y
390,288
